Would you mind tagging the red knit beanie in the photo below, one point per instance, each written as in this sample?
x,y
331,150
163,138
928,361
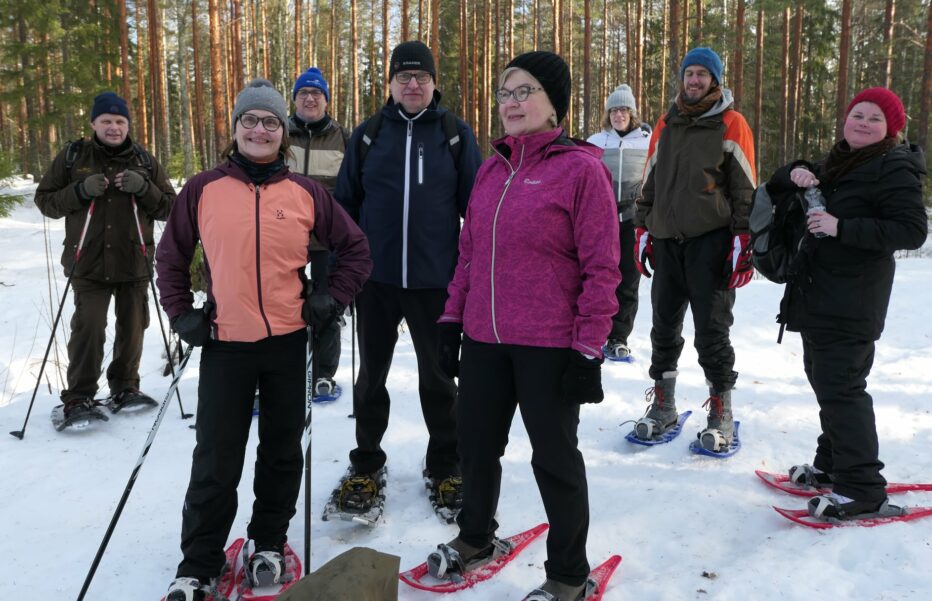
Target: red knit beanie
x,y
888,102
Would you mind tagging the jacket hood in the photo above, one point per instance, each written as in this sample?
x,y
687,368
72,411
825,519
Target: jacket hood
x,y
551,141
434,102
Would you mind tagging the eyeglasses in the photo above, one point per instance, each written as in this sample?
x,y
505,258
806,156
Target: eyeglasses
x,y
619,110
405,77
521,93
313,93
270,123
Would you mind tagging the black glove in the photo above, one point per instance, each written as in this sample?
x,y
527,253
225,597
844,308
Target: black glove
x,y
133,182
320,310
193,326
448,348
582,380
93,186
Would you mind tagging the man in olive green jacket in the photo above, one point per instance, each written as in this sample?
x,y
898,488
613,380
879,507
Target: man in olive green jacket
x,y
118,178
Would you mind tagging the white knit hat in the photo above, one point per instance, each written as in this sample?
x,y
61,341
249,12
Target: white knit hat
x,y
621,96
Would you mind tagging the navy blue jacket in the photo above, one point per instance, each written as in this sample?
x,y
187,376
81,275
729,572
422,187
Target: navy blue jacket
x,y
408,196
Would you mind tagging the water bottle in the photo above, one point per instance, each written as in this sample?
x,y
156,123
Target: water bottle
x,y
815,202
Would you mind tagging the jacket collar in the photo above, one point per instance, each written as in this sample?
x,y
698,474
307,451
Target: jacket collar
x,y
233,170
543,143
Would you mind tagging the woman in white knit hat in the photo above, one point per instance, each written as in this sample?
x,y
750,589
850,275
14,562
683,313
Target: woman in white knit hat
x,y
624,141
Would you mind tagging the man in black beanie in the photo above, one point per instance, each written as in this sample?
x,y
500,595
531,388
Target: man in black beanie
x,y
420,163
122,183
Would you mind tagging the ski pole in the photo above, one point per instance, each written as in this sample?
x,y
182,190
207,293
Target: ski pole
x,y
155,298
353,350
313,346
135,473
77,257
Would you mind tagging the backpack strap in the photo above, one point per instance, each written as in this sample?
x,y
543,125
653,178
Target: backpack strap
x,y
71,154
447,122
368,136
145,159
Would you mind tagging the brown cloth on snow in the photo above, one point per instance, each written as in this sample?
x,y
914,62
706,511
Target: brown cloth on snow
x,y
359,574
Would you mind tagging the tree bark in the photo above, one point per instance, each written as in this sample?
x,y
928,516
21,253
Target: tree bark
x,y
888,22
124,54
142,119
354,62
587,81
217,88
759,89
793,90
186,145
738,67
200,114
925,98
784,85
841,95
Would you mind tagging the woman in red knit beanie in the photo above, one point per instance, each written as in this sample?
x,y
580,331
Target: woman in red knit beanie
x,y
872,188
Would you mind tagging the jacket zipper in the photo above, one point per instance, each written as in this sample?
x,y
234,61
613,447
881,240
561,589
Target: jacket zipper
x,y
265,319
307,151
420,163
514,170
404,227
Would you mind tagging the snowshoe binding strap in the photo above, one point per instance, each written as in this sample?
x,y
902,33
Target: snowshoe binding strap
x,y
190,589
540,594
836,507
446,563
713,440
357,493
647,428
450,492
324,387
265,568
806,475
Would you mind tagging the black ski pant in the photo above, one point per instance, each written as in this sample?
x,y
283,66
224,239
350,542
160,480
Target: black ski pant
x,y
328,339
380,309
230,372
627,290
691,273
837,365
89,335
494,380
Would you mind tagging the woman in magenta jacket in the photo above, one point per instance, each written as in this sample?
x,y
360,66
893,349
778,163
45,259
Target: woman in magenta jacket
x,y
533,296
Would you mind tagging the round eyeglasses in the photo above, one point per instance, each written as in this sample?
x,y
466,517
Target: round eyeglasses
x,y
521,93
405,77
270,123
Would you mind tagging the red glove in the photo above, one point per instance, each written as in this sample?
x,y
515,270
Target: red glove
x,y
643,251
739,262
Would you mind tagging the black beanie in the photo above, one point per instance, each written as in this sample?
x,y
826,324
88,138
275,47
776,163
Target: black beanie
x,y
109,102
552,73
414,56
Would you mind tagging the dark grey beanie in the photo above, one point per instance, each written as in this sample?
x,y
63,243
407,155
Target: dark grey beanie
x,y
259,94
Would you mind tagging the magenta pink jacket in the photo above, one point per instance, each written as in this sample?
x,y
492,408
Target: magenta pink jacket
x,y
538,262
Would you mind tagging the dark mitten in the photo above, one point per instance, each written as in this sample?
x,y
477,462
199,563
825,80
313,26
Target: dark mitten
x,y
193,326
93,186
320,310
448,348
582,380
134,183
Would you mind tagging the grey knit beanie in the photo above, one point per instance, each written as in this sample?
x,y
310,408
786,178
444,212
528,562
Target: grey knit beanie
x,y
259,94
621,96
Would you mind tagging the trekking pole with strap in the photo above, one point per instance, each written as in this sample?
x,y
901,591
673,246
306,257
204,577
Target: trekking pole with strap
x,y
77,257
135,473
313,345
155,298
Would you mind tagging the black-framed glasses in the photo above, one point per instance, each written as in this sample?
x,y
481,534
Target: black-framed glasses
x,y
521,93
619,110
312,92
405,77
270,123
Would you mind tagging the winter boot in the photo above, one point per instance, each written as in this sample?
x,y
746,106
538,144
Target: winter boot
x,y
448,491
834,506
551,590
359,492
720,427
324,387
266,566
129,398
76,407
661,415
452,560
617,348
188,589
806,475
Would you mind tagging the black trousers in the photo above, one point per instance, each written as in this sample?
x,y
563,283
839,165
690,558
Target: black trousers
x,y
380,309
89,334
691,273
494,380
627,290
229,374
837,365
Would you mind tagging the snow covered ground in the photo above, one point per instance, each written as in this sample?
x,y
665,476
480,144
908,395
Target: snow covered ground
x,y
687,527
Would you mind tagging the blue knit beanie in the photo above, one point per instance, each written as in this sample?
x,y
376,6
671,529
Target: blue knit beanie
x,y
705,57
109,102
312,78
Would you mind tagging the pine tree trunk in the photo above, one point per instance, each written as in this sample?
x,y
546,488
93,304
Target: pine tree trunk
x,y
354,62
888,22
385,49
142,119
557,18
698,36
674,45
784,85
435,33
405,32
841,95
922,135
793,91
200,114
298,38
464,76
217,88
738,66
187,147
124,54
587,75
759,89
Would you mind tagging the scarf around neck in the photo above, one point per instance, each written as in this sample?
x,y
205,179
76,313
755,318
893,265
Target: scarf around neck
x,y
697,108
842,158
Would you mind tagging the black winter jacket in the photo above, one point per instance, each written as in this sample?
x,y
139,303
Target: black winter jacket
x,y
408,196
847,280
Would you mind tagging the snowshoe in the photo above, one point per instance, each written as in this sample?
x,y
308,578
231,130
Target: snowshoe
x,y
617,350
806,475
191,589
129,398
551,590
266,566
445,495
661,415
76,413
324,387
452,560
358,497
833,506
720,426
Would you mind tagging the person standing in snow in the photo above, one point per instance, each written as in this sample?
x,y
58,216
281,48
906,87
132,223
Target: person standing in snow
x,y
405,187
130,191
872,186
532,299
624,141
691,227
318,143
254,219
